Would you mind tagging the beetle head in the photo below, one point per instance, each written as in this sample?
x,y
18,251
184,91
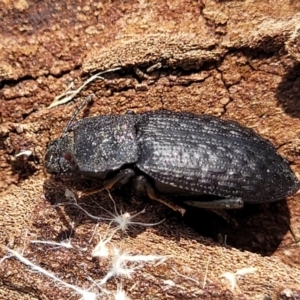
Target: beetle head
x,y
59,159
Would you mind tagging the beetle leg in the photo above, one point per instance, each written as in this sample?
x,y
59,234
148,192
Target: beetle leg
x,y
230,203
89,192
142,185
122,178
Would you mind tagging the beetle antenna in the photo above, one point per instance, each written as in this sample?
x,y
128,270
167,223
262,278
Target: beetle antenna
x,y
76,112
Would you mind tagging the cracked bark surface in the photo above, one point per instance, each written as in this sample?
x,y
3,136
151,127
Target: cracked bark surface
x,y
237,60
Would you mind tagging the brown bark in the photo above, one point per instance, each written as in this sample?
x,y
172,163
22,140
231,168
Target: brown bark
x,y
238,60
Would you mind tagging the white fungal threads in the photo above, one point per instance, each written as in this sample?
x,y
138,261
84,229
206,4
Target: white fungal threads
x,y
123,220
117,263
232,277
120,263
63,244
118,268
85,294
101,249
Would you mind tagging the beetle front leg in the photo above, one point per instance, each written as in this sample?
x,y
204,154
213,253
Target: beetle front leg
x,y
122,178
141,184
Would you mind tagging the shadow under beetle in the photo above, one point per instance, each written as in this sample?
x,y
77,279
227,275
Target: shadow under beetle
x,y
172,155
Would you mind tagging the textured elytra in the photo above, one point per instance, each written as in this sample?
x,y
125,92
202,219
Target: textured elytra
x,y
181,152
207,155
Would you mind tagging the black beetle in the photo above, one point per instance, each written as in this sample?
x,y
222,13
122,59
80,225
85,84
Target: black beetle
x,y
170,154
